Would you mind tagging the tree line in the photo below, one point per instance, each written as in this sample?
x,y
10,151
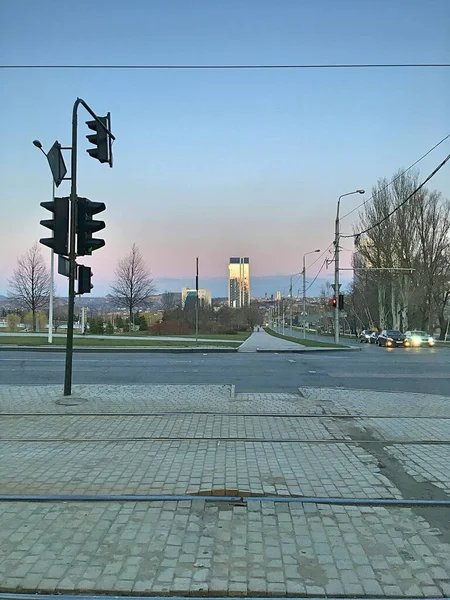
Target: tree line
x,y
402,266
131,290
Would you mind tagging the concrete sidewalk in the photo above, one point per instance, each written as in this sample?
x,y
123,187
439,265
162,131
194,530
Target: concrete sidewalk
x,y
194,440
260,340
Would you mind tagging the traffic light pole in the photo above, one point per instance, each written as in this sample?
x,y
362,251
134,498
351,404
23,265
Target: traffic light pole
x,y
72,252
72,238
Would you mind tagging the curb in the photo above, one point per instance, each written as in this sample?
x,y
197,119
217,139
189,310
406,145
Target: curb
x,y
308,349
87,349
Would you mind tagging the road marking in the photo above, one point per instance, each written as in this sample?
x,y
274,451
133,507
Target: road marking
x,y
291,360
313,371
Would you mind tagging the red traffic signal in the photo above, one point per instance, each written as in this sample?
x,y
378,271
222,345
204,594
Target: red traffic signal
x,y
333,302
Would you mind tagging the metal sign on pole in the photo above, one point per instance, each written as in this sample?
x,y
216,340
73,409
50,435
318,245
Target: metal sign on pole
x,y
63,265
56,163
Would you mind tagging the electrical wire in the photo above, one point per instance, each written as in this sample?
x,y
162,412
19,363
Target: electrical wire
x,y
398,176
298,275
394,210
315,278
241,67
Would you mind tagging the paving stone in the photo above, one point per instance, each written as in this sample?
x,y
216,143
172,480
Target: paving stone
x,y
266,548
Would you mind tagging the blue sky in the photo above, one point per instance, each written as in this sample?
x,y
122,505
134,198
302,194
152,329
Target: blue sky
x,y
218,163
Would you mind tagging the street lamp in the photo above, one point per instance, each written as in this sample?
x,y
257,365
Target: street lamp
x,y
336,265
304,289
38,145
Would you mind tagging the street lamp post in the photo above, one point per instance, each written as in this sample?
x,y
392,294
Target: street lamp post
x,y
304,289
38,145
336,265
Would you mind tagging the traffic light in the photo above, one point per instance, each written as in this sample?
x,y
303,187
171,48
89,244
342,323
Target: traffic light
x,y
341,301
333,301
86,226
59,225
84,280
101,140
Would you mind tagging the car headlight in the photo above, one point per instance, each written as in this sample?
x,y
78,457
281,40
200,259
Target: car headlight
x,y
390,339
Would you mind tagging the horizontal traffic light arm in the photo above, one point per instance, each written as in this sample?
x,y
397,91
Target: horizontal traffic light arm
x,y
94,116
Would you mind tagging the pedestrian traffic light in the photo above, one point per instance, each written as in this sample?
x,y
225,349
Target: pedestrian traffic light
x,y
101,140
84,280
333,301
341,302
86,226
59,225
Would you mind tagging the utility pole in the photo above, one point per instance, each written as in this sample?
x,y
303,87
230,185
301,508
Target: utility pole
x,y
290,305
336,276
336,264
304,289
196,303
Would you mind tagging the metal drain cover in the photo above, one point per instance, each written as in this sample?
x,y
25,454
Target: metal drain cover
x,y
71,401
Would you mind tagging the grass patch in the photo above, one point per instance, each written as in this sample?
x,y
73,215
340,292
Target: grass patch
x,y
106,342
239,336
301,341
236,337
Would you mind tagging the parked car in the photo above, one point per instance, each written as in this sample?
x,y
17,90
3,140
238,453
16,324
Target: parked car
x,y
391,338
374,337
364,336
419,338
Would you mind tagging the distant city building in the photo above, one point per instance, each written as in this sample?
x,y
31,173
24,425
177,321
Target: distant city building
x,y
278,295
239,282
188,298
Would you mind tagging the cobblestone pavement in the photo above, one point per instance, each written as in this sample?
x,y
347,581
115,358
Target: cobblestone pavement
x,y
189,547
367,402
211,440
431,463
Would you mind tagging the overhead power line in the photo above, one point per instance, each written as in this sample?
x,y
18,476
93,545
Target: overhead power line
x,y
319,272
298,275
242,67
398,176
394,210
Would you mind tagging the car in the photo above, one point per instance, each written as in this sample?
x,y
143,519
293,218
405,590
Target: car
x,y
374,337
419,338
391,338
364,336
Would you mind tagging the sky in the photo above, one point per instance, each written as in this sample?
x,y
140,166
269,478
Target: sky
x,y
218,163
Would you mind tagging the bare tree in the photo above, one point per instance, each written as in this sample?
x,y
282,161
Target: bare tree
x,y
169,301
30,283
133,284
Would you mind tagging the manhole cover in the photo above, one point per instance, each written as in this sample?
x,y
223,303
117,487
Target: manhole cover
x,y
71,401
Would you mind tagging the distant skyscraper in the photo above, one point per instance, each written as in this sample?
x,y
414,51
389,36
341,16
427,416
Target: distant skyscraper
x,y
239,282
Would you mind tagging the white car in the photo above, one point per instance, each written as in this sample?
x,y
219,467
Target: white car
x,y
419,338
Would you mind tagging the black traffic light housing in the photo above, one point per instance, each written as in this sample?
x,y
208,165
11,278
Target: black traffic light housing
x,y
84,280
341,302
86,226
59,225
101,140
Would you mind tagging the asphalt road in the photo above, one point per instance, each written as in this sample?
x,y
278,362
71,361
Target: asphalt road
x,y
402,369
